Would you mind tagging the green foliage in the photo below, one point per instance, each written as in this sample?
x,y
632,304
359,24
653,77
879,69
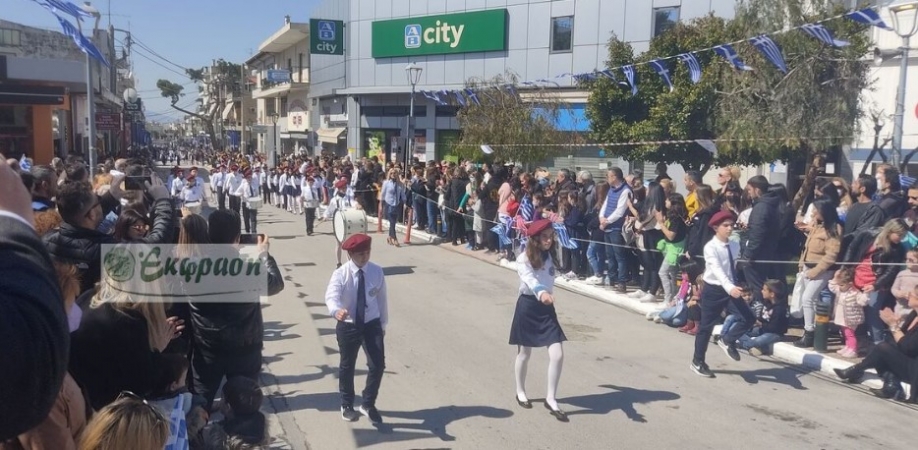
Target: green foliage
x,y
772,116
519,126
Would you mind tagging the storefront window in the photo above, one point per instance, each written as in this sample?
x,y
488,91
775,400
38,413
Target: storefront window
x,y
16,131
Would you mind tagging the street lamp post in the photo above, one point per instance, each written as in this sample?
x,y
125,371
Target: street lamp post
x,y
91,97
273,156
902,10
414,76
130,97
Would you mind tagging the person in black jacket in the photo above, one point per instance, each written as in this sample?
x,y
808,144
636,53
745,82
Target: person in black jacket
x,y
34,334
228,337
699,233
762,236
892,200
453,196
864,214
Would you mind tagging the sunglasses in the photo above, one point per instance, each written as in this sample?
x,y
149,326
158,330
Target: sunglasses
x,y
156,412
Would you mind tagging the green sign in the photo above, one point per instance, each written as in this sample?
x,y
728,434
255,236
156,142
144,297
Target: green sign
x,y
326,37
482,31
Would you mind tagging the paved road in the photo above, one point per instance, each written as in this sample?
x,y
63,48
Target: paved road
x,y
449,376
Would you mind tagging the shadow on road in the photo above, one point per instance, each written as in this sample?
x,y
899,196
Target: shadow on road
x,y
775,375
323,371
622,398
426,422
398,270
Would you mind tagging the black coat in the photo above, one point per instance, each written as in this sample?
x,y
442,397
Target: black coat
x,y
859,247
763,230
699,233
455,192
33,330
230,328
81,247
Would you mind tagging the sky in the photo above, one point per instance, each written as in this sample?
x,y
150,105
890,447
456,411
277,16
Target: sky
x,y
189,33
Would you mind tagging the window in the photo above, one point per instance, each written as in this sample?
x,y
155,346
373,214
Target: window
x,y
283,107
9,38
393,111
664,19
562,34
447,111
300,68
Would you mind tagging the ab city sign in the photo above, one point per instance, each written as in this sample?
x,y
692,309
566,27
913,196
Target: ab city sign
x,y
326,37
482,31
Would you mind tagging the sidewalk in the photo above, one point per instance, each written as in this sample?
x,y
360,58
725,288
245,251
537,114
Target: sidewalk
x,y
804,359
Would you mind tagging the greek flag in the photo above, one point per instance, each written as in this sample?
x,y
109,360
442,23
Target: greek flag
x,y
629,74
823,35
729,53
433,96
694,67
609,74
663,72
471,95
770,50
868,16
907,181
501,230
563,237
65,7
459,97
444,96
527,210
81,41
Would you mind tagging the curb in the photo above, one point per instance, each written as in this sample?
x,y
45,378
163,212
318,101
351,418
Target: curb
x,y
785,352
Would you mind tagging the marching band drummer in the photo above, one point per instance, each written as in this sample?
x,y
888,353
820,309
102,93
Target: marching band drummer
x,y
535,322
250,187
192,192
339,202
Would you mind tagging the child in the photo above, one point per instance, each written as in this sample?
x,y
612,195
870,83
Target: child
x,y
673,243
172,395
849,309
731,319
905,283
244,426
676,311
694,307
772,322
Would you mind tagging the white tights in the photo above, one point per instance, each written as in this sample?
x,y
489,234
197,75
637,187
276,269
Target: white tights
x,y
555,363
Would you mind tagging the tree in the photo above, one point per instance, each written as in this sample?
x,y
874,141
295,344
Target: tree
x,y
519,126
766,115
224,78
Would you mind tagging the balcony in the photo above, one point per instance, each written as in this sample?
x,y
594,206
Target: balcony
x,y
275,83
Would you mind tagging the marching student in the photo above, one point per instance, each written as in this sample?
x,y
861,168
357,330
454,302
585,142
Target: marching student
x,y
296,179
339,202
311,198
192,192
535,322
720,292
231,187
356,298
248,189
216,186
284,183
177,183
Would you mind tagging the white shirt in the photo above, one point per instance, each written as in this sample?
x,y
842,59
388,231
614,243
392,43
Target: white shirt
x,y
717,268
342,293
216,181
335,204
232,183
248,189
311,195
177,185
535,282
195,193
620,209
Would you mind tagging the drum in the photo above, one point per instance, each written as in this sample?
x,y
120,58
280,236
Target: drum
x,y
194,207
255,202
348,223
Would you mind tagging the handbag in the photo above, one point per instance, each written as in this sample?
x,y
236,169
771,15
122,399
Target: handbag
x,y
795,303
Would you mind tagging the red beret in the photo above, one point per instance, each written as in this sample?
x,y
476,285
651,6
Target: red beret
x,y
341,184
721,217
234,167
538,226
247,173
190,177
310,179
357,243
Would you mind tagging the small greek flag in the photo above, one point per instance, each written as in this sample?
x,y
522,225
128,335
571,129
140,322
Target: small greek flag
x,y
501,230
868,16
459,97
81,41
729,53
563,237
823,35
663,72
527,210
770,50
471,95
694,67
65,7
907,181
629,74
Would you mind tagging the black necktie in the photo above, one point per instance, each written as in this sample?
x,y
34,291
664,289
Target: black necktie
x,y
361,298
732,266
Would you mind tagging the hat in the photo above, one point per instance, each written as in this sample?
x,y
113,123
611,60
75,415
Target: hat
x,y
720,217
234,167
190,177
357,243
247,173
310,179
538,226
340,184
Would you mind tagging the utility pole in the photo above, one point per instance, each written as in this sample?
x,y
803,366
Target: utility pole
x,y
243,90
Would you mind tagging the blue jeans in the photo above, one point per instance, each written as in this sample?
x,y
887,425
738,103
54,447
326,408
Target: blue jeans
x,y
596,254
618,256
432,213
878,329
729,322
674,316
392,215
443,222
759,340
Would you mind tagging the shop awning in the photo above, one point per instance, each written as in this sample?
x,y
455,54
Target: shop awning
x,y
227,111
330,135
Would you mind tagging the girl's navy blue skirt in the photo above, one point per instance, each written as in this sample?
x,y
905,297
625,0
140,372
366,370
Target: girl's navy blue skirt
x,y
535,324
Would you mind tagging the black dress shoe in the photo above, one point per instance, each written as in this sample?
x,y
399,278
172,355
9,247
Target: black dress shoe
x,y
851,374
557,413
891,387
526,405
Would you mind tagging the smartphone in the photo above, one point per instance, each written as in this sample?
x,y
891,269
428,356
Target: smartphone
x,y
135,183
250,239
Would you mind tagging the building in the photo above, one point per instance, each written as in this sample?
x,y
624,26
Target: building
x,y
280,82
43,94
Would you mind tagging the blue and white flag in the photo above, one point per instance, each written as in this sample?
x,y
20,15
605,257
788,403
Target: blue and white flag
x,y
527,209
56,6
24,164
472,96
868,16
459,97
771,51
609,74
629,74
694,67
729,53
663,72
563,237
81,41
822,34
906,181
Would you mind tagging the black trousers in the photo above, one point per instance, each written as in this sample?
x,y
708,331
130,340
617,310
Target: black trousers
x,y
250,220
651,262
714,299
350,339
310,214
235,203
221,198
455,226
210,368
